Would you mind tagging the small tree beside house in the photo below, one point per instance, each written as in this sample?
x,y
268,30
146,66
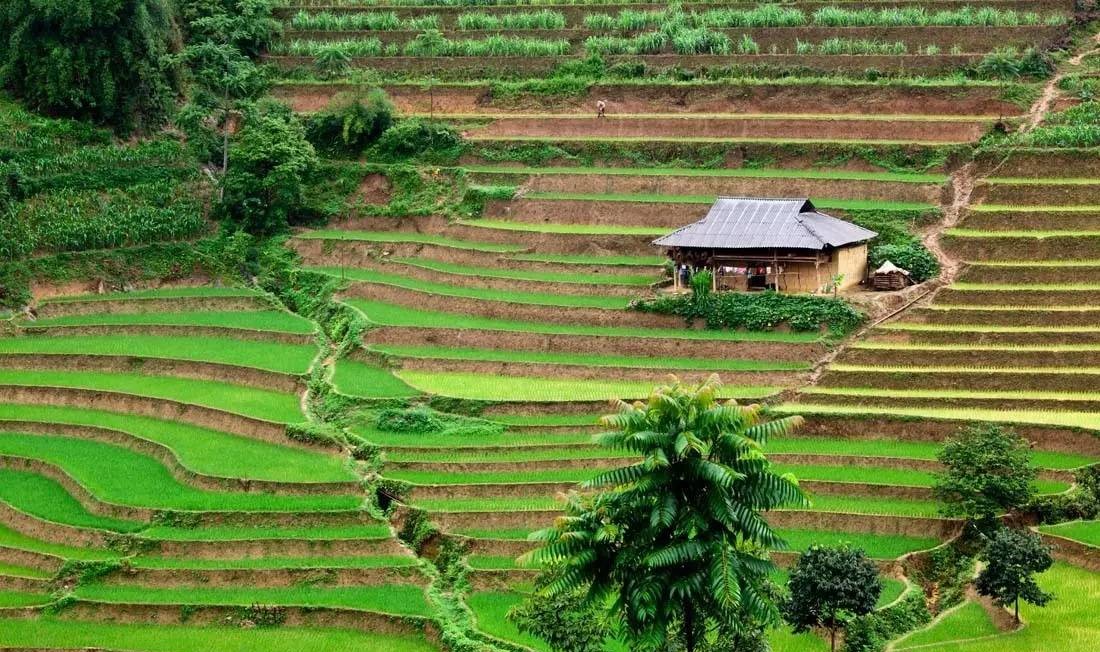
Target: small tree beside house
x,y
1013,558
829,587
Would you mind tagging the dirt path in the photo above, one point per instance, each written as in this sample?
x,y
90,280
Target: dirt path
x,y
1051,92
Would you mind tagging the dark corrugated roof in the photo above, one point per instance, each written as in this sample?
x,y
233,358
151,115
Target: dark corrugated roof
x,y
750,223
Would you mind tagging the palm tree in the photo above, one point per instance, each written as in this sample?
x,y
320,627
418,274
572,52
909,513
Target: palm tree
x,y
676,541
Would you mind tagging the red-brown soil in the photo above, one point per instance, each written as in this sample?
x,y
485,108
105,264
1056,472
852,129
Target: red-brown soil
x,y
173,331
1004,317
133,306
1013,248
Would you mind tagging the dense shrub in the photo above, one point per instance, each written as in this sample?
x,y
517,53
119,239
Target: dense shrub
x,y
872,632
351,123
411,421
252,27
268,166
416,137
1010,63
763,311
1078,126
911,256
102,60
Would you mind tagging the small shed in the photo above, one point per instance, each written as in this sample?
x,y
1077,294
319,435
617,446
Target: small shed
x,y
889,276
781,244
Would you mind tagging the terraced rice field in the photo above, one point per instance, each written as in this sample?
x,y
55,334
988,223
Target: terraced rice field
x,y
153,443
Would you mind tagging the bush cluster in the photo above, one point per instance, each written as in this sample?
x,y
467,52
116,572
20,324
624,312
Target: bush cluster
x,y
351,123
872,632
763,311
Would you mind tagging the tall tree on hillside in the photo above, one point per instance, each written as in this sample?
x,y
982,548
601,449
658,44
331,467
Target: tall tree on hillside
x,y
101,60
676,541
829,587
1012,559
988,471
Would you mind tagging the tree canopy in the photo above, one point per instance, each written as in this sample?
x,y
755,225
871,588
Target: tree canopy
x,y
101,60
676,542
1012,559
829,587
988,471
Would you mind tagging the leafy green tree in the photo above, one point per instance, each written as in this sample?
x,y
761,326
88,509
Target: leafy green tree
x,y
351,123
253,27
829,587
675,543
1012,559
265,184
988,471
100,60
564,620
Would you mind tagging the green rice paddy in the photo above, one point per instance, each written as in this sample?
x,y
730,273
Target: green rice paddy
x,y
201,450
60,634
581,259
1087,532
521,388
966,621
251,320
364,380
45,499
270,356
385,314
822,203
736,173
273,563
116,475
160,293
552,357
528,275
482,294
396,237
252,402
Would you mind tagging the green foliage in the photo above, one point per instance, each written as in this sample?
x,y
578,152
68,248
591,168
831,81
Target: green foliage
x,y
351,122
1082,502
912,256
77,572
1012,559
260,615
566,621
417,529
247,25
988,471
411,421
1078,126
762,311
829,587
676,538
418,138
872,632
541,19
1009,63
102,60
264,186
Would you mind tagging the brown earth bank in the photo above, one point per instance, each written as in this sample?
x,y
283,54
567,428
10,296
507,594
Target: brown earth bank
x,y
1022,404
976,380
321,575
479,68
614,127
976,338
1003,317
1037,163
489,490
75,489
53,309
171,331
51,532
237,375
538,313
501,547
1053,275
25,584
1050,438
713,155
167,457
783,39
575,13
505,284
230,616
523,240
864,490
1073,552
31,559
1009,220
678,97
971,358
152,407
581,372
593,344
351,253
504,579
726,185
1013,248
619,213
258,548
952,296
521,408
1036,194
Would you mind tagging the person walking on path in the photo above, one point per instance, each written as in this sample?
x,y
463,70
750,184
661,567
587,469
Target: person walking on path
x,y
601,108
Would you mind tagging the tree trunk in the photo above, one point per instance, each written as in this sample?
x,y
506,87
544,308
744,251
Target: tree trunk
x,y
832,639
1017,611
689,626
